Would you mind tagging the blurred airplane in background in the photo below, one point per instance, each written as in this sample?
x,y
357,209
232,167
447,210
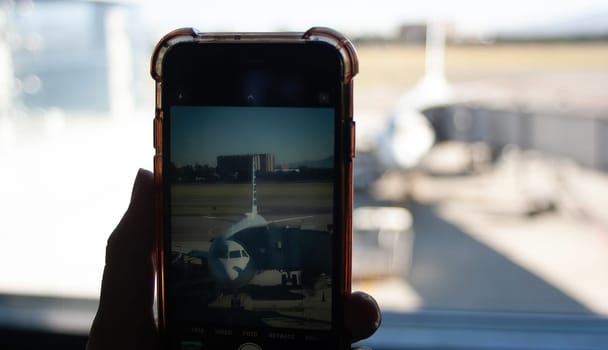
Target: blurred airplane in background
x,y
408,136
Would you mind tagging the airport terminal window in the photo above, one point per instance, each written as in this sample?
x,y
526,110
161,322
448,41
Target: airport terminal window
x,y
480,176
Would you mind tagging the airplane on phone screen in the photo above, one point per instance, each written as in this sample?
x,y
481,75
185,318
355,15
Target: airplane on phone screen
x,y
254,245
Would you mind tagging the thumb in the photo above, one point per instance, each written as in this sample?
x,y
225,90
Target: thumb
x,y
125,318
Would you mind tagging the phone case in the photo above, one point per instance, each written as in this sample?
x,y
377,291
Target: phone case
x,y
349,70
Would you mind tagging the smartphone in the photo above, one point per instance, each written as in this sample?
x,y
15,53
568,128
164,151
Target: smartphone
x,y
254,140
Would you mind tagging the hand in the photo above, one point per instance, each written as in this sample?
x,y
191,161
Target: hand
x,y
125,318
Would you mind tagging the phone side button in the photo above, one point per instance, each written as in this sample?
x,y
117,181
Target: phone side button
x,y
158,129
250,346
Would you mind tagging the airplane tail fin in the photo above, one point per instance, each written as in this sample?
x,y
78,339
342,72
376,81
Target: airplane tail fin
x,y
254,204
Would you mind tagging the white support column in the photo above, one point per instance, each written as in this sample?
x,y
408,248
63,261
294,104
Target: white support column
x,y
6,69
120,62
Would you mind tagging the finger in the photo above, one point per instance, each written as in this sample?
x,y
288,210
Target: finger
x,y
133,238
125,317
362,316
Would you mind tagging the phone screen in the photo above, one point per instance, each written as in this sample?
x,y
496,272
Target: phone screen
x,y
251,189
251,204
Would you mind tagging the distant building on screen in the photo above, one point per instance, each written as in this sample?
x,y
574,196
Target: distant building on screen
x,y
241,163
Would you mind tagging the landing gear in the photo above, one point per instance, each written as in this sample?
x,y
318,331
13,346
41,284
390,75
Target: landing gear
x,y
289,279
235,303
294,280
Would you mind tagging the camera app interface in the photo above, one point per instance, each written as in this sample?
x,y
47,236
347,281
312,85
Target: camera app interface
x,y
251,216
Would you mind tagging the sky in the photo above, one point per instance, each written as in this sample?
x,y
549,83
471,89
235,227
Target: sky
x,y
357,17
200,134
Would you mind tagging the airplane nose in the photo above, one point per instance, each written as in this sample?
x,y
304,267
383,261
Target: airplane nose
x,y
232,271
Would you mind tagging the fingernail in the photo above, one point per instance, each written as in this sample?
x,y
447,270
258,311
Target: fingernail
x,y
142,182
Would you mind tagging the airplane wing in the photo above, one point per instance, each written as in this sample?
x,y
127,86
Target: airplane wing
x,y
290,219
198,254
220,218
